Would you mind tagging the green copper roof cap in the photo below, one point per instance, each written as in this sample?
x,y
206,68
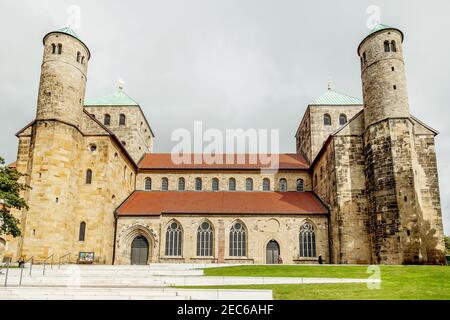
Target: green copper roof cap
x,y
69,31
118,98
333,98
379,27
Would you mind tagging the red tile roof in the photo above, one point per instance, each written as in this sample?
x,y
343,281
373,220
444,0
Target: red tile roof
x,y
154,203
163,161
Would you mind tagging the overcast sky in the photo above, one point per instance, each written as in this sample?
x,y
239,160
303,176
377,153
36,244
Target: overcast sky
x,y
232,64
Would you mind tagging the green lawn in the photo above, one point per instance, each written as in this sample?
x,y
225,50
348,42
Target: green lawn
x,y
398,282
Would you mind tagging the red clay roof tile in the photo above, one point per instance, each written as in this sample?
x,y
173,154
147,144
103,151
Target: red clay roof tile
x,y
154,203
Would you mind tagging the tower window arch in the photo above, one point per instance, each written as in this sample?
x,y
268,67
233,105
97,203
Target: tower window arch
x,y
53,48
174,241
386,46
215,184
88,176
249,184
164,184
307,241
59,48
78,56
283,185
364,57
181,184
148,184
107,120
82,231
232,184
266,184
300,185
238,240
326,120
205,240
122,119
198,184
82,60
393,46
342,119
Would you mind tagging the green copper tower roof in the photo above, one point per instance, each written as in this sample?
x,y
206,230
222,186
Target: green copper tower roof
x,y
379,27
333,98
68,31
118,98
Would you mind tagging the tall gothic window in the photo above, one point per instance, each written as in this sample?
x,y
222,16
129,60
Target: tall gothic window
x,y
386,46
164,184
148,184
300,185
283,185
198,184
249,184
238,240
232,184
215,184
266,184
181,184
307,241
59,48
88,176
205,240
122,120
82,233
327,120
342,119
174,240
107,120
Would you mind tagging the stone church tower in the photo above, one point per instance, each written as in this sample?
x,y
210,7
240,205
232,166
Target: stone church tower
x,y
395,180
54,146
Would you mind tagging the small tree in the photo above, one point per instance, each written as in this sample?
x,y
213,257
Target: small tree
x,y
447,244
10,198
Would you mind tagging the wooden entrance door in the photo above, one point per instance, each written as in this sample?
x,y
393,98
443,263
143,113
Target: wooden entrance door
x,y
272,252
139,250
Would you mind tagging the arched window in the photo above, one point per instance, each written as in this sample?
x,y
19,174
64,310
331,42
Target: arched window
x,y
215,184
283,185
386,46
249,184
164,184
53,48
198,184
78,56
122,120
148,184
181,184
205,240
82,60
327,119
342,119
300,185
307,241
266,184
107,120
364,57
88,176
82,233
393,46
174,240
59,48
238,240
232,184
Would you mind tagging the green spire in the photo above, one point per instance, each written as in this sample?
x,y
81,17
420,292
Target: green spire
x,y
333,98
118,98
379,27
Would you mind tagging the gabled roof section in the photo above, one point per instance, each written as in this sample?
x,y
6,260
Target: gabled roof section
x,y
333,98
424,125
118,98
155,203
355,126
164,161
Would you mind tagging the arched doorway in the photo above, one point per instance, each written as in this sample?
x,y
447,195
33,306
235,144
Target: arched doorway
x,y
139,250
272,252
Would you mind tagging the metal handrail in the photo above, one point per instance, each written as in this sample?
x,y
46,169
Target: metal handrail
x,y
7,271
21,270
62,257
45,263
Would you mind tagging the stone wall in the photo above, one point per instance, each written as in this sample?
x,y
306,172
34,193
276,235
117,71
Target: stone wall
x,y
260,230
